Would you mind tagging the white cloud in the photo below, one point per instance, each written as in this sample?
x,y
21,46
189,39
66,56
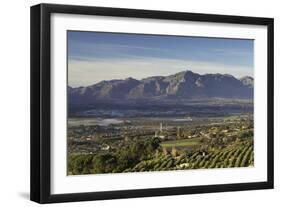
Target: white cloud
x,y
84,73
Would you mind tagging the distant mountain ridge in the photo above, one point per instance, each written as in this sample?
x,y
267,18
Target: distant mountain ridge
x,y
185,85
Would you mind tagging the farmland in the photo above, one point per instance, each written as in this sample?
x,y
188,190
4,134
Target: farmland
x,y
181,143
158,144
238,155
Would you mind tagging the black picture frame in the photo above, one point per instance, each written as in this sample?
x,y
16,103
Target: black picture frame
x,y
41,98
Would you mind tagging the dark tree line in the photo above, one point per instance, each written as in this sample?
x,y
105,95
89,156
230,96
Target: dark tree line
x,y
107,162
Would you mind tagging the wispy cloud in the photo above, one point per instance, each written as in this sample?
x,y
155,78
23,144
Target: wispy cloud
x,y
88,51
231,51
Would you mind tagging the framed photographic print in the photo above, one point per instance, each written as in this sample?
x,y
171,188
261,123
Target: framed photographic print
x,y
132,103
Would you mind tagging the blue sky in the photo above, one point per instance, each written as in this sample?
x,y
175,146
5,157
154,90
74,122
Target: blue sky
x,y
97,56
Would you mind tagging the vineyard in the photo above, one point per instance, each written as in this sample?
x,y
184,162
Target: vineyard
x,y
239,154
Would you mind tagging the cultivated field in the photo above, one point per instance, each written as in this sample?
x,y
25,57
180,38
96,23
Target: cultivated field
x,y
145,144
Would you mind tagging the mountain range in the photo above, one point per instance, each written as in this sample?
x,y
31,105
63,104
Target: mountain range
x,y
185,85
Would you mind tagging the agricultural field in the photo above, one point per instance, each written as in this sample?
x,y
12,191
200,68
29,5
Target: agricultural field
x,y
181,143
238,155
140,147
